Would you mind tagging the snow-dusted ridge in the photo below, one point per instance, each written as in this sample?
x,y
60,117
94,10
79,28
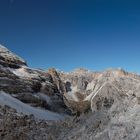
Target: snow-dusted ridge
x,y
5,52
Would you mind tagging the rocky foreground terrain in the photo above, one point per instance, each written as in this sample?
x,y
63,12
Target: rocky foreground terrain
x,y
54,105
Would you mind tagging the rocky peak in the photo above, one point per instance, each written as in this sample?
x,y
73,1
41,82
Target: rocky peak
x,y
53,72
9,59
57,80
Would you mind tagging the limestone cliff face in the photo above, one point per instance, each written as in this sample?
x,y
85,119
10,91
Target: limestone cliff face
x,y
106,104
9,59
79,90
92,90
33,86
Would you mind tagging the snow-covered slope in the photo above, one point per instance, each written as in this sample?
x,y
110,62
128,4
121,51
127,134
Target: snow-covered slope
x,y
6,99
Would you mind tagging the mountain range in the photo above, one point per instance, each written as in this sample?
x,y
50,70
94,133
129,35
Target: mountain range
x,y
49,104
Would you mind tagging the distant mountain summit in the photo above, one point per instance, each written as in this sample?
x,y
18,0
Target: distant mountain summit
x,y
81,104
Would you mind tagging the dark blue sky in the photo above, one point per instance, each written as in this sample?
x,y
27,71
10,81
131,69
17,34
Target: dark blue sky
x,y
66,34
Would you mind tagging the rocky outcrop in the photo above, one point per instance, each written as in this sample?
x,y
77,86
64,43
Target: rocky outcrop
x,y
22,127
98,90
57,80
9,59
25,83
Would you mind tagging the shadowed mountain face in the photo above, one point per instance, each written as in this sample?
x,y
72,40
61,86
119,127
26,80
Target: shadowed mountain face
x,y
106,104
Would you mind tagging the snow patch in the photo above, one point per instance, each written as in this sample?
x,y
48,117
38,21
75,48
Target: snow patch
x,y
72,95
6,99
20,72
